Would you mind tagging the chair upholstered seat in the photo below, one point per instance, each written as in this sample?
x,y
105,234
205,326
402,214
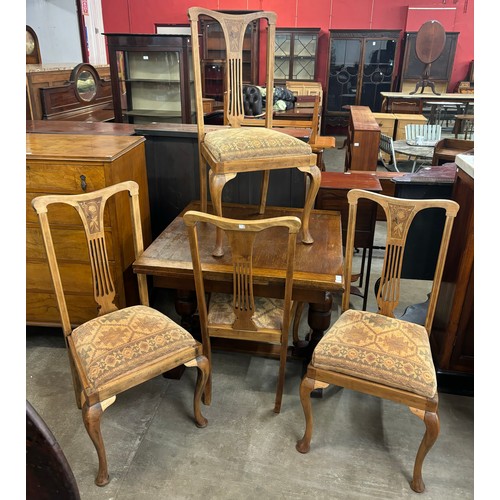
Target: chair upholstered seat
x,y
126,341
268,311
241,143
374,347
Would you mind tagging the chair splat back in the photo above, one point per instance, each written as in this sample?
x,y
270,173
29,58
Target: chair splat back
x,y
90,207
243,316
233,27
399,213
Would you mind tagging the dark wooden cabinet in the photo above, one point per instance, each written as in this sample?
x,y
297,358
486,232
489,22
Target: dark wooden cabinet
x,y
452,337
152,78
213,56
295,55
360,66
440,71
363,138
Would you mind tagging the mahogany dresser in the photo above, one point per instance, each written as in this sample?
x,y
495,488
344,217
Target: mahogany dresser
x,y
64,163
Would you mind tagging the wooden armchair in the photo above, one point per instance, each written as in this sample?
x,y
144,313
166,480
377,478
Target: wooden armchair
x,y
118,349
446,149
240,148
375,353
241,315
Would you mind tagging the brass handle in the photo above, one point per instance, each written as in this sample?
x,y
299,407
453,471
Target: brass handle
x,y
83,183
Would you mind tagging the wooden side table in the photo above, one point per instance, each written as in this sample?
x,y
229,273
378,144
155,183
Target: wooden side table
x,y
332,195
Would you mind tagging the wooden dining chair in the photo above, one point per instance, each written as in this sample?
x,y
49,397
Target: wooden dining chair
x,y
119,348
239,148
242,315
377,353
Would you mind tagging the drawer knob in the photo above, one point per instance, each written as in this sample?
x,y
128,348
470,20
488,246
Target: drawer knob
x,y
83,182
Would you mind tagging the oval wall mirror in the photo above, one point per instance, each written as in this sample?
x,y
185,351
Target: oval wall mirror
x,y
85,77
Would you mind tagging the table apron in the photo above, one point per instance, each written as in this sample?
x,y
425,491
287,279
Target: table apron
x,y
298,293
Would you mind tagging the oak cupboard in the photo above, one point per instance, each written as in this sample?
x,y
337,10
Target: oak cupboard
x,y
65,163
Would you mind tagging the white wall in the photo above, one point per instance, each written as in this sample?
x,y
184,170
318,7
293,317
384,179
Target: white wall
x,y
56,24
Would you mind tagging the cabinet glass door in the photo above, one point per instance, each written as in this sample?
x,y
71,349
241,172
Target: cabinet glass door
x,y
304,50
378,67
344,70
152,84
282,56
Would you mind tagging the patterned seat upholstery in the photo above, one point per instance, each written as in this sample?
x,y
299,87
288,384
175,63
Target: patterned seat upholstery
x,y
268,311
381,349
126,341
376,353
250,142
120,348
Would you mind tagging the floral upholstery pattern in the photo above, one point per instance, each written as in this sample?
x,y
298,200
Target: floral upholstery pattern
x,y
268,311
374,347
119,342
252,142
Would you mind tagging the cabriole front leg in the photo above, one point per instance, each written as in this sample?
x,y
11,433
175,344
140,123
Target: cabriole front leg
x,y
217,183
92,420
314,174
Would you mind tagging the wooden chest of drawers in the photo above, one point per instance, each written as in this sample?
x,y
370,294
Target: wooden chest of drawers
x,y
60,163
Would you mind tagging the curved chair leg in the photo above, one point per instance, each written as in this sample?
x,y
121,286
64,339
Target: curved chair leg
x,y
263,191
203,365
281,375
217,183
306,387
431,421
92,420
315,176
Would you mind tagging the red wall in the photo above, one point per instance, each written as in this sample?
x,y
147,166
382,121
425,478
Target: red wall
x,y
134,16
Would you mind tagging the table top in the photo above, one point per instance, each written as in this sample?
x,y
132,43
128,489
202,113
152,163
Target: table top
x,y
318,267
349,180
78,127
429,96
79,147
418,151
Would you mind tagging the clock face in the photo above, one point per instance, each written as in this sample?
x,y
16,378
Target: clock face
x,y
30,44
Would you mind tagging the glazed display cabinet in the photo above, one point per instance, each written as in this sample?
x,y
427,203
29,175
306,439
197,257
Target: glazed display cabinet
x,y
213,56
360,66
152,78
295,56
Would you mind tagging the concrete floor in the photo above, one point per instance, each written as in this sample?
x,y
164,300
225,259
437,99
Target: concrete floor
x,y
362,447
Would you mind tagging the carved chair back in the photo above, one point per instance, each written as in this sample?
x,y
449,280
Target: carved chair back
x,y
91,207
399,213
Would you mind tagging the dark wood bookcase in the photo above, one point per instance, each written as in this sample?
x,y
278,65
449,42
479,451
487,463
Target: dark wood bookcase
x,y
213,56
361,64
152,78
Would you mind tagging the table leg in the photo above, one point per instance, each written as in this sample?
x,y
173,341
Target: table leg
x,y
319,318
